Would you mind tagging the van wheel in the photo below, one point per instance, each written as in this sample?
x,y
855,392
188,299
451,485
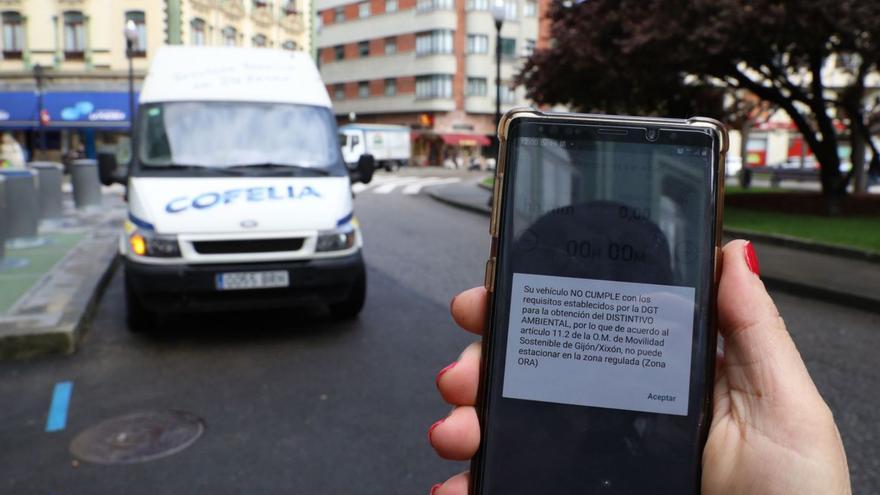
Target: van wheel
x,y
350,307
139,318
391,166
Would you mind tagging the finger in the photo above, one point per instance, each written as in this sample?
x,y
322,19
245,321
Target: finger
x,y
457,436
760,356
458,382
457,485
469,309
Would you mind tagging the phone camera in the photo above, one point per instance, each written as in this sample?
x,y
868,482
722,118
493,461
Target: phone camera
x,y
652,134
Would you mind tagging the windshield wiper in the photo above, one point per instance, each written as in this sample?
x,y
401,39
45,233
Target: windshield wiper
x,y
278,166
186,166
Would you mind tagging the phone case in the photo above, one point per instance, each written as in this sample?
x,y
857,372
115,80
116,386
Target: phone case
x,y
494,230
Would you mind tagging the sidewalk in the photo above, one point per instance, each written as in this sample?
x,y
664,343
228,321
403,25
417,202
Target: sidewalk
x,y
842,280
47,291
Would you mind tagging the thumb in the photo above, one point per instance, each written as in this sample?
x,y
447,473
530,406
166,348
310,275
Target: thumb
x,y
759,354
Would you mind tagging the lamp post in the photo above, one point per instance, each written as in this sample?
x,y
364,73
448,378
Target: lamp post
x,y
131,38
39,74
498,14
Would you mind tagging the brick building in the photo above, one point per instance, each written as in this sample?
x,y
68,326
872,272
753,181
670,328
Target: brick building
x,y
429,64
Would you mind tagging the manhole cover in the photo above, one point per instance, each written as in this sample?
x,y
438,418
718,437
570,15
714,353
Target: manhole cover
x,y
137,437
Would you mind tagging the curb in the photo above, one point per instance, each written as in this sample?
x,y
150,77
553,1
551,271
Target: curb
x,y
37,331
816,247
842,298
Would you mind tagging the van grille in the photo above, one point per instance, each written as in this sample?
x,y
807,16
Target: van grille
x,y
248,246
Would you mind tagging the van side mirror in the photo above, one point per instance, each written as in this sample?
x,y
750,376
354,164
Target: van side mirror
x,y
365,168
107,169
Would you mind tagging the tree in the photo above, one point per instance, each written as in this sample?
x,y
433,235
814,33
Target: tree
x,y
665,56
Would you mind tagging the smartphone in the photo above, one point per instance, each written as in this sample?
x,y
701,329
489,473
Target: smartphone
x,y
598,360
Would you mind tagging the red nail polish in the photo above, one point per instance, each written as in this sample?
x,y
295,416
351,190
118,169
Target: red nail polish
x,y
444,370
435,487
434,427
752,259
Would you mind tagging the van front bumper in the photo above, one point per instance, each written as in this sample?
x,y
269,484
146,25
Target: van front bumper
x,y
179,288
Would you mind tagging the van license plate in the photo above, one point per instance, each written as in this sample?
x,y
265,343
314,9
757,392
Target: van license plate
x,y
251,280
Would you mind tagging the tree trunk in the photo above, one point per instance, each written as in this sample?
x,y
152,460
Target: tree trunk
x,y
860,185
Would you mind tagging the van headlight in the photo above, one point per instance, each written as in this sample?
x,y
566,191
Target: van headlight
x,y
338,239
153,245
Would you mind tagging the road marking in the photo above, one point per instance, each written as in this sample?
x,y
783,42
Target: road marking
x,y
377,181
390,186
415,188
58,409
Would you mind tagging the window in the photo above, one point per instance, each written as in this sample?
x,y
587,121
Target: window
x,y
261,4
230,36
13,36
390,6
339,91
434,86
476,86
510,10
289,45
364,49
259,40
390,87
363,89
529,48
508,94
364,10
429,5
197,28
339,14
139,49
434,42
477,43
74,35
390,46
508,47
477,4
339,52
290,7
530,8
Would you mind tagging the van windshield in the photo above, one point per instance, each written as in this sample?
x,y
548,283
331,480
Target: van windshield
x,y
237,134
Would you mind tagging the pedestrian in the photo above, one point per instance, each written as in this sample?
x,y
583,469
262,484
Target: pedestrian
x,y
771,431
11,154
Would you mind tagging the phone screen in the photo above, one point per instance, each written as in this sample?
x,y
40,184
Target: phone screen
x,y
601,345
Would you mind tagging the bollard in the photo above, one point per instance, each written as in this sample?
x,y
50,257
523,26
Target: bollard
x,y
22,205
86,186
49,175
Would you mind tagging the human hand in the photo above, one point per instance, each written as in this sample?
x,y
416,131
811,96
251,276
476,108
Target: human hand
x,y
771,432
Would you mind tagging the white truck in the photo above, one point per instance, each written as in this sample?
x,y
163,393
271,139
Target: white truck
x,y
238,197
389,145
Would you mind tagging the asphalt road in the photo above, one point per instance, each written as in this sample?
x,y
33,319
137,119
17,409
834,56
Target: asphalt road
x,y
295,403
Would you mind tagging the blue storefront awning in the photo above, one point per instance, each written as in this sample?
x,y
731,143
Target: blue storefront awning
x,y
67,110
88,110
18,110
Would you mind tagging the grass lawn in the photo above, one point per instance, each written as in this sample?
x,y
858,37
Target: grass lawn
x,y
488,181
857,232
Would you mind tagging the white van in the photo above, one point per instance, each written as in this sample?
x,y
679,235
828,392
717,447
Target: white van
x,y
389,145
238,196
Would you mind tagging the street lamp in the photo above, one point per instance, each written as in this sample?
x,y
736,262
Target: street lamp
x,y
39,74
498,14
131,38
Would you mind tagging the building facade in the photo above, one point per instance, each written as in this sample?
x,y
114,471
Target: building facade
x,y
428,64
64,64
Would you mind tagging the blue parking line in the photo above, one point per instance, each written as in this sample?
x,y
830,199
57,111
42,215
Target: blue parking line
x,y
58,409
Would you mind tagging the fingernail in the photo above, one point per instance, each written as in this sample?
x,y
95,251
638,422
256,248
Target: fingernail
x,y
451,302
752,259
434,427
444,370
435,487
